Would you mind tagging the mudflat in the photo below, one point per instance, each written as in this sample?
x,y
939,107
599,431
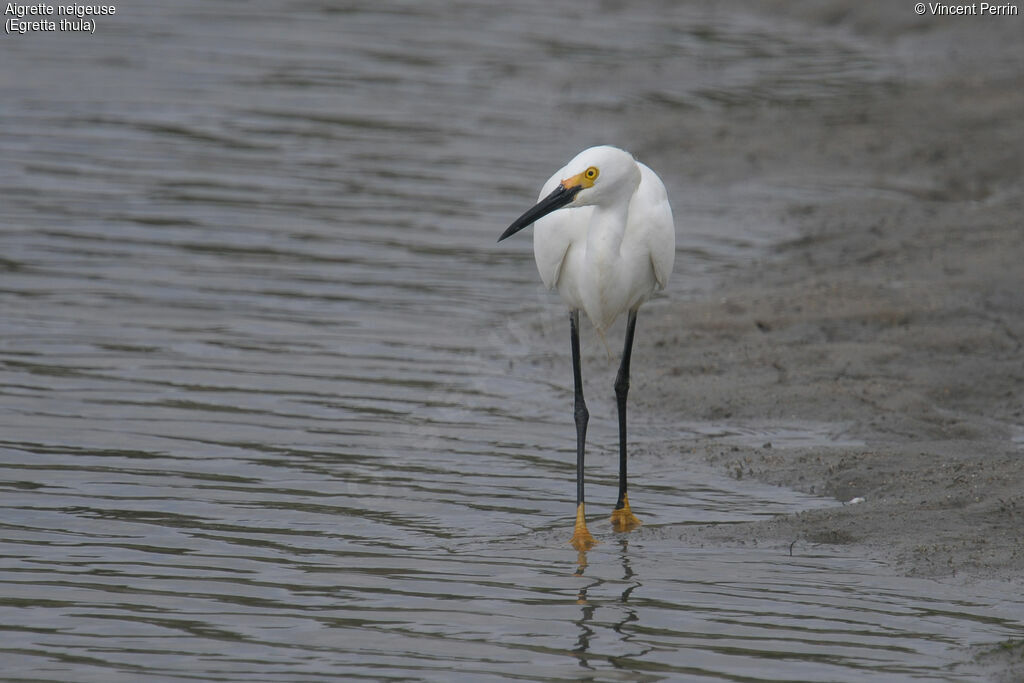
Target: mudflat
x,y
894,317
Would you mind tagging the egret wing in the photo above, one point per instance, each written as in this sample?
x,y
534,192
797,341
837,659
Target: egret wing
x,y
650,216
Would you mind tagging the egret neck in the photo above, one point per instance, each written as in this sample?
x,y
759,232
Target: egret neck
x,y
603,253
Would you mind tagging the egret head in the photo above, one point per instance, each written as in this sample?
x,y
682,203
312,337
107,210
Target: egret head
x,y
596,176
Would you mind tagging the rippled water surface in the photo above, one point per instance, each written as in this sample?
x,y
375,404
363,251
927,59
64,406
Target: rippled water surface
x,y
274,406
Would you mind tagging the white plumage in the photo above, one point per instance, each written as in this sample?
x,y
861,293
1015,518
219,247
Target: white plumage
x,y
604,238
614,245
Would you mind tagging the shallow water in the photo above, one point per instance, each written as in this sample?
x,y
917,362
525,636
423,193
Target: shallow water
x,y
273,405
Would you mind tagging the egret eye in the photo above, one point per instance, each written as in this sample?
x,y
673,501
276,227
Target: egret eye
x,y
591,173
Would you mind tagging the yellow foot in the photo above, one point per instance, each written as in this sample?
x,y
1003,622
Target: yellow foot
x,y
623,518
581,538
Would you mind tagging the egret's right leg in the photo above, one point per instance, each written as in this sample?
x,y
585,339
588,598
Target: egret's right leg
x,y
581,538
623,518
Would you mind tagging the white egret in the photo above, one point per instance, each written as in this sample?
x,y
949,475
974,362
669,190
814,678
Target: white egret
x,y
604,238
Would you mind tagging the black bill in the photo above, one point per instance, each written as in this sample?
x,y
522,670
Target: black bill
x,y
556,200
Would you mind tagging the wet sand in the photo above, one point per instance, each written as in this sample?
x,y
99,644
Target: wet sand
x,y
895,315
892,320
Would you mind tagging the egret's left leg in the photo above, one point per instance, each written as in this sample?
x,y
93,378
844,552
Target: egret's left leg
x,y
623,518
581,538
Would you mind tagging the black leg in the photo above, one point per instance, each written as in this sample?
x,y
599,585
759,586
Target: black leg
x,y
580,411
581,538
621,390
622,518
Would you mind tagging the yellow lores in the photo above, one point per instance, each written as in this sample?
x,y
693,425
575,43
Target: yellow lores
x,y
581,180
606,257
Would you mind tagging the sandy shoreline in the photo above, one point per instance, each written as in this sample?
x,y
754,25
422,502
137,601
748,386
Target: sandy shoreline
x,y
893,319
896,315
898,312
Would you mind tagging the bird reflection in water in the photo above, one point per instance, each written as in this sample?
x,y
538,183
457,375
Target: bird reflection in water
x,y
586,622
